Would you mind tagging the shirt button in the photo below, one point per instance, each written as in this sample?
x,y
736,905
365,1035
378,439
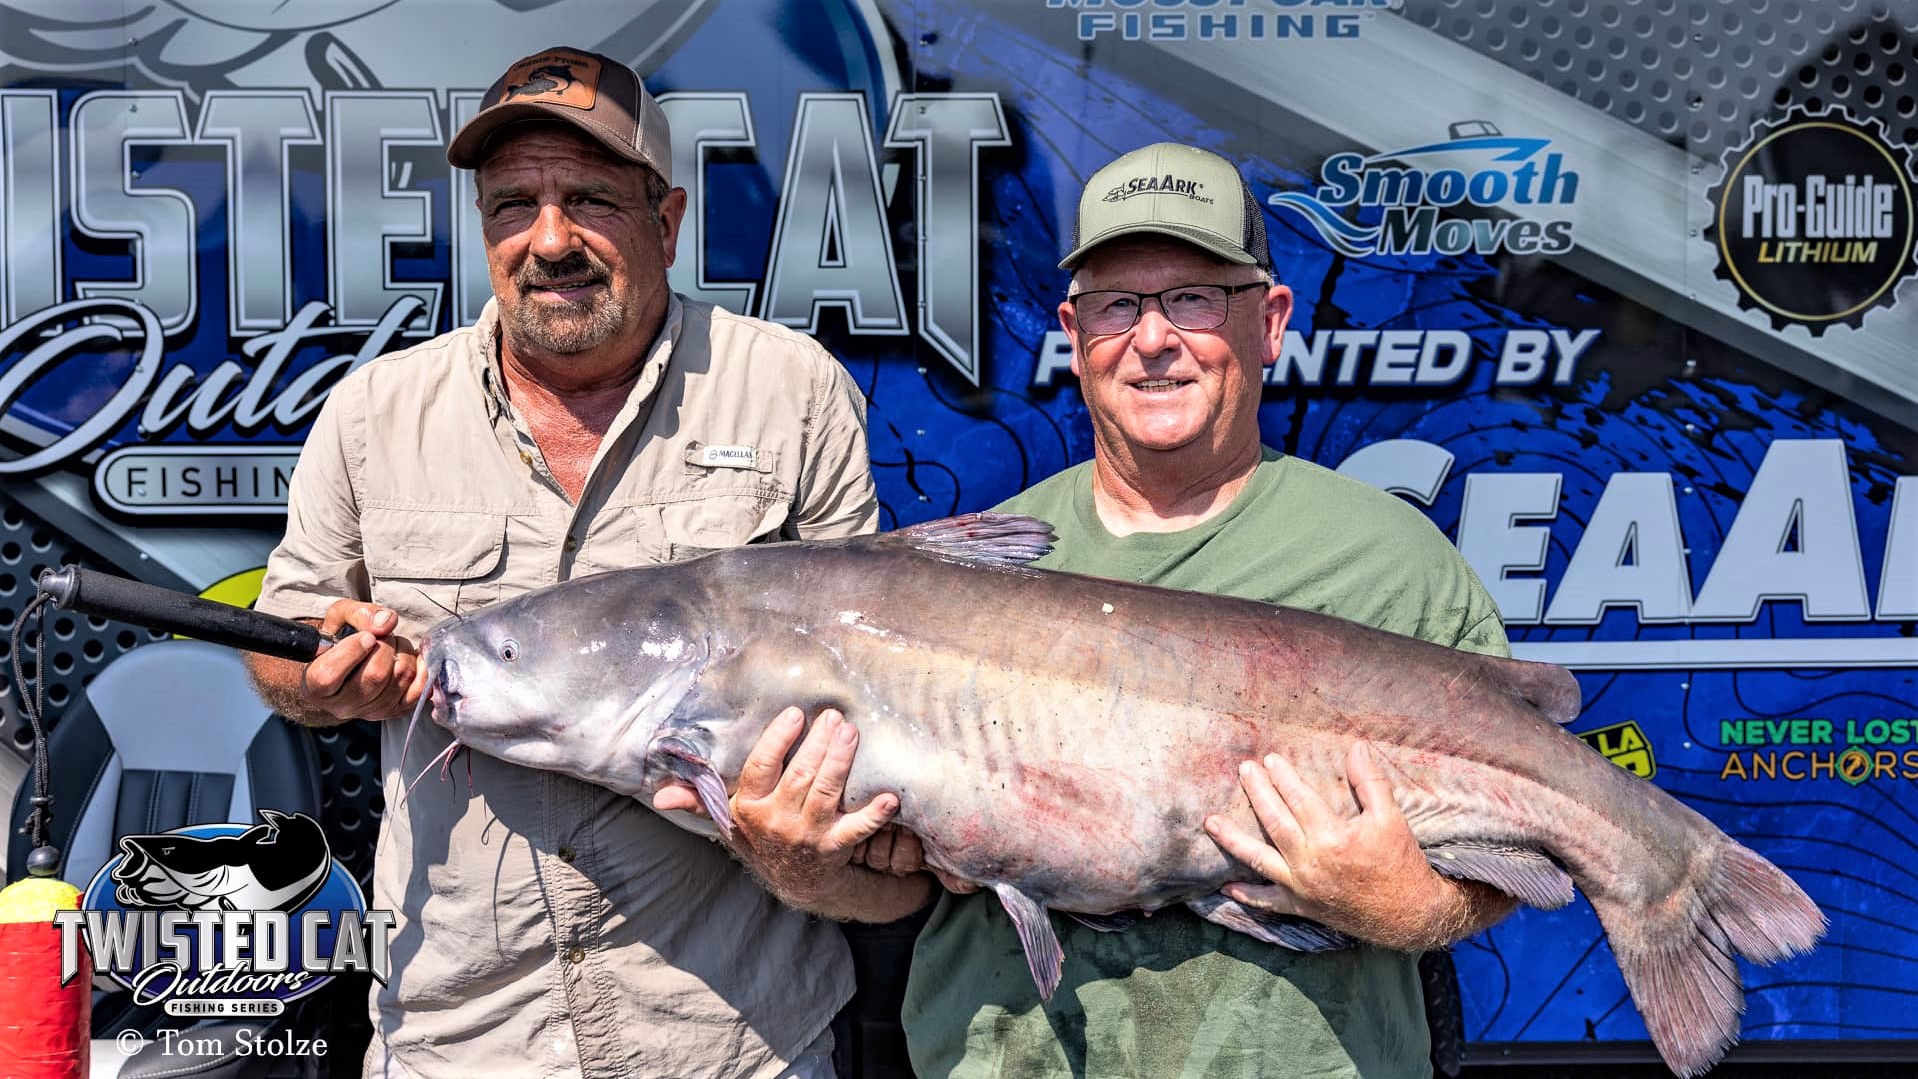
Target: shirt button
x,y
566,854
525,458
572,543
576,953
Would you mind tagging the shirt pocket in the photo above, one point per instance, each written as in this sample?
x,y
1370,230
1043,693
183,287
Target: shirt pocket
x,y
701,525
433,562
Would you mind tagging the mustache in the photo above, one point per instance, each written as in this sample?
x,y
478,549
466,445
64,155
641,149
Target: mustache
x,y
536,272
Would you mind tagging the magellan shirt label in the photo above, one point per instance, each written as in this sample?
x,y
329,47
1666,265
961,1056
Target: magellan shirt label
x,y
728,456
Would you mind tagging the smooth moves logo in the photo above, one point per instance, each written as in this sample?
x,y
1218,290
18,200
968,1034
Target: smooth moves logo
x,y
1395,202
220,920
1813,221
1158,185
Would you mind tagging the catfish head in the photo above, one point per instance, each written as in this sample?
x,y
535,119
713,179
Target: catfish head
x,y
576,678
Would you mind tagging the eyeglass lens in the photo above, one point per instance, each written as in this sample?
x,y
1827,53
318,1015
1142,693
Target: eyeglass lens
x,y
1189,307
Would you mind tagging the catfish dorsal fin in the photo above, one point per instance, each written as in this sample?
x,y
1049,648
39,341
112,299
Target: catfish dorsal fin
x,y
1547,687
1004,539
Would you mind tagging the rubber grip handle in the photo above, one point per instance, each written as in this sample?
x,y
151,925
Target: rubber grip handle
x,y
86,591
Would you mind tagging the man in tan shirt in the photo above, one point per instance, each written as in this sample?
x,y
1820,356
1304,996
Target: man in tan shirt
x,y
591,420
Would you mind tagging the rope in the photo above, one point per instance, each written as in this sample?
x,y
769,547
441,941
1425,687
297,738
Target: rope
x,y
34,706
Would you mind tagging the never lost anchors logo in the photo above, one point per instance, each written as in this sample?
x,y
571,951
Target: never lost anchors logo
x,y
1407,191
226,919
1813,221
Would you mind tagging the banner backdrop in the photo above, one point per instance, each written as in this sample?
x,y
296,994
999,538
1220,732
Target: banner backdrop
x,y
1610,289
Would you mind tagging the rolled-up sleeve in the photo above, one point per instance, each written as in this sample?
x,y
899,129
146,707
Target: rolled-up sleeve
x,y
320,559
836,493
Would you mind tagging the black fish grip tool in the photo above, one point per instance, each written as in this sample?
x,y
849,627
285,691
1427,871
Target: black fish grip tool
x,y
86,591
90,592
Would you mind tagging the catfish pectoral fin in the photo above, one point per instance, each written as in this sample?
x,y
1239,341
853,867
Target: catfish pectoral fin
x,y
683,761
712,794
1524,874
1044,957
1106,923
1285,930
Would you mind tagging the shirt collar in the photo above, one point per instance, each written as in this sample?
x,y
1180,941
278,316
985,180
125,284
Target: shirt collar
x,y
493,379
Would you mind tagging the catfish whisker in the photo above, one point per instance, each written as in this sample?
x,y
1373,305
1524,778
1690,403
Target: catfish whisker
x,y
426,701
443,755
423,594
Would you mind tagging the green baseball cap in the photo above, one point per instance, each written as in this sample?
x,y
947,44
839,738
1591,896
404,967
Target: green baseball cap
x,y
1173,190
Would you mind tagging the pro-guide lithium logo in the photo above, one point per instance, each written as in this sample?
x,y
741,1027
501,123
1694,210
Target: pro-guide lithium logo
x,y
1813,221
1401,196
226,919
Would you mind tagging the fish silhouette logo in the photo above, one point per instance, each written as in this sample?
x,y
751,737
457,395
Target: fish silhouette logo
x,y
555,78
276,865
227,920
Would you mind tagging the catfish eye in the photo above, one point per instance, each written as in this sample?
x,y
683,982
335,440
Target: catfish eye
x,y
509,650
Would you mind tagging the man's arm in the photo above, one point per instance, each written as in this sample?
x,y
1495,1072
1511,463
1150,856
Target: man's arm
x,y
1363,875
836,497
794,835
371,674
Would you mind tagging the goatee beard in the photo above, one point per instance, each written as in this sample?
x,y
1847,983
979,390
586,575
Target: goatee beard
x,y
569,326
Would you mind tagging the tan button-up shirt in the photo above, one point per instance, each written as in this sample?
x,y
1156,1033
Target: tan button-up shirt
x,y
548,927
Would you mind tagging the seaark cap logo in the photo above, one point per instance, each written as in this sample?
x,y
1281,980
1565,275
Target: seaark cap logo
x,y
218,920
1158,185
1813,221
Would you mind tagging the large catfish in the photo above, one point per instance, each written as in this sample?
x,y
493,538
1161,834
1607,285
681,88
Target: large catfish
x,y
1060,739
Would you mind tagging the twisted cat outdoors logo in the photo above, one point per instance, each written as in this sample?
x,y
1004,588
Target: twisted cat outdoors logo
x,y
220,920
1813,221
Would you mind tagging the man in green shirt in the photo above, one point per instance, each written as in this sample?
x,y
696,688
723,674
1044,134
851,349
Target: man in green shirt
x,y
1173,315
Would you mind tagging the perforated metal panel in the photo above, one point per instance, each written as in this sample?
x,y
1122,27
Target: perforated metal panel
x,y
78,647
1699,73
350,797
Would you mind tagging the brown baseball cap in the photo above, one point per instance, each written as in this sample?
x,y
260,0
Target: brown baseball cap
x,y
595,93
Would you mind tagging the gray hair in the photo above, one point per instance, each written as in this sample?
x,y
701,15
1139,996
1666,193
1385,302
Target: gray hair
x,y
656,191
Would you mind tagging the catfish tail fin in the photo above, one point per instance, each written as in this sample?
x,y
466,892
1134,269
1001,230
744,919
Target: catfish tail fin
x,y
1679,955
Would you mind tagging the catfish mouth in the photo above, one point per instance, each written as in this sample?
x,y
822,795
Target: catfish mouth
x,y
442,696
678,756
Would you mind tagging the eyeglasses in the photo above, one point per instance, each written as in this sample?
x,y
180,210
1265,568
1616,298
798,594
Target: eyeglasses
x,y
1189,307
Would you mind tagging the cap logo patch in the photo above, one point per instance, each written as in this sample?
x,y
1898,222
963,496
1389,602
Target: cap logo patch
x,y
554,78
1158,185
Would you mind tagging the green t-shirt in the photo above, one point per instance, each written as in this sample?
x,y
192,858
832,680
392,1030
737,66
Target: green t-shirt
x,y
1177,995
